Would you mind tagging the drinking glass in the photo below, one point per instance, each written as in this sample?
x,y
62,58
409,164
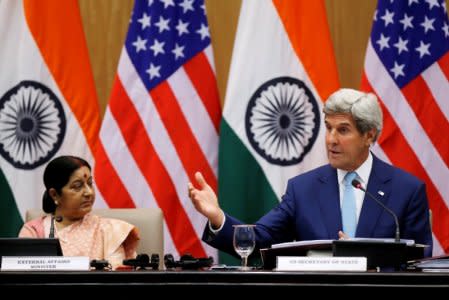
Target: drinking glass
x,y
244,242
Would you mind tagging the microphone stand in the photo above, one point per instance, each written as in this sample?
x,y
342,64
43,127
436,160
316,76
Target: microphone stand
x,y
397,235
52,227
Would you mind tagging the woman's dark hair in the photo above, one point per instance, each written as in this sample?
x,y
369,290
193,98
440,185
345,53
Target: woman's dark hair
x,y
57,174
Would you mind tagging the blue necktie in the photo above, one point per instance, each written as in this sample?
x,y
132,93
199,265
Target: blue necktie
x,y
348,212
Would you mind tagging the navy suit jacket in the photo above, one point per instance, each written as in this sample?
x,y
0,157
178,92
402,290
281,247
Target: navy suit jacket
x,y
310,210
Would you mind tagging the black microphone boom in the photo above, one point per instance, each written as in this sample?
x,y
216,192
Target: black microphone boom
x,y
52,225
358,185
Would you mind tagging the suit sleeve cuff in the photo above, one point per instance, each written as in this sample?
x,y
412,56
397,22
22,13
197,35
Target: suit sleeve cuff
x,y
216,231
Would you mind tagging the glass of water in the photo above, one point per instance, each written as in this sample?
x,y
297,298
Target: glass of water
x,y
244,242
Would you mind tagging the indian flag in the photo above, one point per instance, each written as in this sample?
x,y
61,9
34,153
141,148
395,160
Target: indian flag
x,y
282,70
48,103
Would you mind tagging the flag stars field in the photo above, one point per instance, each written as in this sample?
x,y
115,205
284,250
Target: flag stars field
x,y
427,24
203,31
186,6
145,21
157,47
178,51
162,24
153,71
423,49
401,45
182,27
140,44
406,22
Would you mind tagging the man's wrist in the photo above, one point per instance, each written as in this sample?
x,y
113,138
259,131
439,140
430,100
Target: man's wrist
x,y
217,230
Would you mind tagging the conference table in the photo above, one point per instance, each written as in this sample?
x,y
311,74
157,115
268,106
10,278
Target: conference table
x,y
258,282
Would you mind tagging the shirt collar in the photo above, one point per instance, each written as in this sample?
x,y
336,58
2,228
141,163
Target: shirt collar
x,y
362,172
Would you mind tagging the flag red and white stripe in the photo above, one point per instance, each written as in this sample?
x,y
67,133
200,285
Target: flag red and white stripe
x,y
413,88
159,128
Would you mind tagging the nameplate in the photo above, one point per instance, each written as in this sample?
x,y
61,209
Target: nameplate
x,y
303,263
45,263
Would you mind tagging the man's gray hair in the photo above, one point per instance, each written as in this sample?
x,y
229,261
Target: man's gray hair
x,y
364,108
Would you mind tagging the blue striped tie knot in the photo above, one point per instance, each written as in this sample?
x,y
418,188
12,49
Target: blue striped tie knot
x,y
348,209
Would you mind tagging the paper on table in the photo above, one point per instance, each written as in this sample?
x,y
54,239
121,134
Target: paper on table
x,y
325,242
302,243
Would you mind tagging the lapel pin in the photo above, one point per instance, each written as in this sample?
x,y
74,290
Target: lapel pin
x,y
381,193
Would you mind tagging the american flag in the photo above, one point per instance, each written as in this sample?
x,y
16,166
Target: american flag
x,y
161,124
407,66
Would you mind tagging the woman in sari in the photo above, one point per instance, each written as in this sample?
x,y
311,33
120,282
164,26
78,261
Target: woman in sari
x,y
68,199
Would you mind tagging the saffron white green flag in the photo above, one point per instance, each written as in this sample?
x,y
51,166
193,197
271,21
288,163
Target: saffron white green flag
x,y
282,70
48,103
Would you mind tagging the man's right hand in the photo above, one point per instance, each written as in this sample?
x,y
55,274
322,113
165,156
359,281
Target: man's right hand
x,y
205,201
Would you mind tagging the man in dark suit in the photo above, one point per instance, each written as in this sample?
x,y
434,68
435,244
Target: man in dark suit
x,y
315,205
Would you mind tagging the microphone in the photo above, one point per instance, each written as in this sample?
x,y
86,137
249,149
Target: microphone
x,y
358,185
52,225
142,261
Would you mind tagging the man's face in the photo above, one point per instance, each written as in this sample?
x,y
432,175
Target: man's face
x,y
346,147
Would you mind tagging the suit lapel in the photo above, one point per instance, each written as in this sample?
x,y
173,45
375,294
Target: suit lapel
x,y
379,185
329,201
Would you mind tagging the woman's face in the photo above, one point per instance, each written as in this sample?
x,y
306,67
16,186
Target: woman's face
x,y
77,196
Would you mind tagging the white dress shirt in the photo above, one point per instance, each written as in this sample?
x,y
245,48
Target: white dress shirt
x,y
362,175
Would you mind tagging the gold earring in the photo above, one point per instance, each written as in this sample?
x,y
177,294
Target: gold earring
x,y
56,203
